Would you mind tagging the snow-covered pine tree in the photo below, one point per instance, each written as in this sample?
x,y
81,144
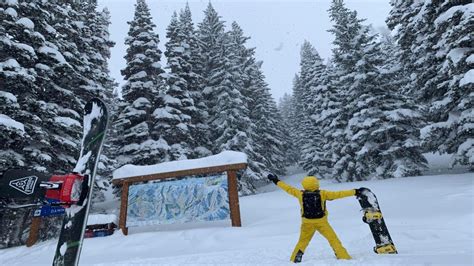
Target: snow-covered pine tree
x,y
194,80
107,163
17,106
403,16
454,26
96,47
436,34
59,67
302,96
346,29
311,76
394,73
17,77
209,34
252,86
60,105
268,138
86,18
449,94
380,140
275,137
296,115
228,119
79,22
402,111
175,125
330,101
86,46
44,57
286,108
299,115
139,143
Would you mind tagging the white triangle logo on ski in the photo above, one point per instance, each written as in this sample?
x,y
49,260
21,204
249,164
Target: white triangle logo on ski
x,y
24,184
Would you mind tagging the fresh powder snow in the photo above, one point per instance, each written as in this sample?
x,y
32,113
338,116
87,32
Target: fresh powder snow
x,y
429,218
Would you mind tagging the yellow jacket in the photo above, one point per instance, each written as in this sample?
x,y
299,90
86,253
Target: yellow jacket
x,y
313,185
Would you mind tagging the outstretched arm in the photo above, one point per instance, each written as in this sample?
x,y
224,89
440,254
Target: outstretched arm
x,y
287,188
332,195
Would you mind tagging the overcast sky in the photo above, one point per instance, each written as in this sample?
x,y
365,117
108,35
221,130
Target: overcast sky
x,y
277,29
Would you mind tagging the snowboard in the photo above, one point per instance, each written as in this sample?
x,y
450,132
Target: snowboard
x,y
374,218
75,220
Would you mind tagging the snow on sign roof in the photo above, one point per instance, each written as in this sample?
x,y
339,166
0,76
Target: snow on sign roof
x,y
223,158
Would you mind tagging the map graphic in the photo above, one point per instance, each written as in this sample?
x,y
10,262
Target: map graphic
x,y
179,201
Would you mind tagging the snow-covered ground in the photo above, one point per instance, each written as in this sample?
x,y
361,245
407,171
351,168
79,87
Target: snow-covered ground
x,y
430,219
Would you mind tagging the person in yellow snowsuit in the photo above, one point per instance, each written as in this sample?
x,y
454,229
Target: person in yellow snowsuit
x,y
314,215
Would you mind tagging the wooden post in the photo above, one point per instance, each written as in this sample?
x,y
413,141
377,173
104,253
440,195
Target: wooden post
x,y
233,199
34,231
123,208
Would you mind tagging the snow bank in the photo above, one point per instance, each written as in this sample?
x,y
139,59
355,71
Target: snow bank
x,y
223,158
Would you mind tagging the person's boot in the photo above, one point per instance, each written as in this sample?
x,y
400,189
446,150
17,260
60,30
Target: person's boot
x,y
298,256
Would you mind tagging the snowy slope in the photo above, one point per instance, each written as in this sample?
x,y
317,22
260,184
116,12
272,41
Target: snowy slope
x,y
430,219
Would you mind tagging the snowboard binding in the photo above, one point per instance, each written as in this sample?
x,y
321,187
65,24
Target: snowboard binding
x,y
385,249
371,215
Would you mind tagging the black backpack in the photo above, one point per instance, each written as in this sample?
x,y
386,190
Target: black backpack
x,y
312,208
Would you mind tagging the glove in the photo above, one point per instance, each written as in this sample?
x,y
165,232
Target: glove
x,y
359,191
273,178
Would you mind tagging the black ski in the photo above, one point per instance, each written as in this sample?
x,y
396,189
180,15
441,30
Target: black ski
x,y
72,230
373,217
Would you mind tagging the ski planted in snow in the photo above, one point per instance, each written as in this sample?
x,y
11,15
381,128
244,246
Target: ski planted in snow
x,y
373,217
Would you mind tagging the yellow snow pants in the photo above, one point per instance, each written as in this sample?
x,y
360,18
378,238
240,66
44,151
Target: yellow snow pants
x,y
323,227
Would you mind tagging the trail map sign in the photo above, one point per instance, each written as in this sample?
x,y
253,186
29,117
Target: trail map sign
x,y
178,201
145,202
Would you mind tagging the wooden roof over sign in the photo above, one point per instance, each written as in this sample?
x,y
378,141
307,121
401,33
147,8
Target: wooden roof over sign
x,y
181,173
222,162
